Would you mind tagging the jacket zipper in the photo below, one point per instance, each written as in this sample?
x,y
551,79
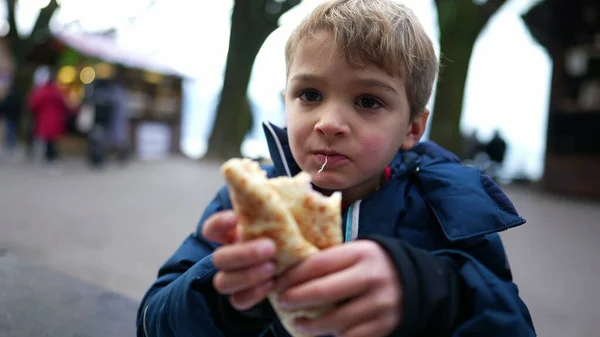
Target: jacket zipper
x,y
352,221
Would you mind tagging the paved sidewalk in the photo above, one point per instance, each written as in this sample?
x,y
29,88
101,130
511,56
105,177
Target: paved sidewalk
x,y
37,301
114,228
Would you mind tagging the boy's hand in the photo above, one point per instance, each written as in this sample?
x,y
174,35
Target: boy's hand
x,y
359,277
246,269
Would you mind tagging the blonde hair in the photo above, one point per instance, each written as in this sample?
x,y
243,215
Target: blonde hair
x,y
376,32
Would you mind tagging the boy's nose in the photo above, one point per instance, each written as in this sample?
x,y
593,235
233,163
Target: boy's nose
x,y
332,125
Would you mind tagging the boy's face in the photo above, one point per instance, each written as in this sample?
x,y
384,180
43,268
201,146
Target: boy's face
x,y
357,118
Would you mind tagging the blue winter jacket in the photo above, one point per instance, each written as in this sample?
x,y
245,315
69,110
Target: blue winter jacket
x,y
433,208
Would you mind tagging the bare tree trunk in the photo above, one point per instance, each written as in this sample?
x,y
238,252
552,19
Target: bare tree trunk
x,y
448,106
252,21
233,118
21,48
460,24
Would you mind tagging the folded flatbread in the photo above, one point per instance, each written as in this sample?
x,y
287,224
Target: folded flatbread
x,y
287,210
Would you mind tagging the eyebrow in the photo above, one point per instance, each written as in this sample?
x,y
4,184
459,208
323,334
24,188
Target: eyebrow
x,y
366,82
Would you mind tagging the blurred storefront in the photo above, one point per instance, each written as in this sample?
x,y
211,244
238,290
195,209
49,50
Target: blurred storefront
x,y
154,90
570,32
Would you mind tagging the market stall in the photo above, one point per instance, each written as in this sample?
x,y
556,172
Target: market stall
x,y
570,32
154,91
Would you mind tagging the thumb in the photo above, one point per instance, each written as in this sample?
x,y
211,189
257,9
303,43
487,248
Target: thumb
x,y
221,227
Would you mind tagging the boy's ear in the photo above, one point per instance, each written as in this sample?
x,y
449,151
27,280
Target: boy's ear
x,y
416,128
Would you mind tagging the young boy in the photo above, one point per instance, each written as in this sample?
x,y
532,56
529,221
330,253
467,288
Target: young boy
x,y
422,255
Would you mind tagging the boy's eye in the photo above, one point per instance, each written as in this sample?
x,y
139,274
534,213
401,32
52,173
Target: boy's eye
x,y
310,96
368,103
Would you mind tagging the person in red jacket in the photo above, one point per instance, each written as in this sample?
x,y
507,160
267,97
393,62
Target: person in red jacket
x,y
49,108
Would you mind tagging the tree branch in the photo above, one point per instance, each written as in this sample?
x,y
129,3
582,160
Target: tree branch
x,y
13,33
285,5
41,28
491,6
43,21
289,4
487,10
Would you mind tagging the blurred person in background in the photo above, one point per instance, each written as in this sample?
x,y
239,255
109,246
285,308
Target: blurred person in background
x,y
10,110
471,146
49,108
488,157
110,129
496,151
119,125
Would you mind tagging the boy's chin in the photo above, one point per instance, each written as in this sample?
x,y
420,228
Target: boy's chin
x,y
325,184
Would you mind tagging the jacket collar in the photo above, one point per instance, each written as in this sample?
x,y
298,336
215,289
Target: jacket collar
x,y
465,202
279,148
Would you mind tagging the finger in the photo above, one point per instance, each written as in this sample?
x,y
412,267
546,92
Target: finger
x,y
244,254
326,290
355,312
221,227
378,327
247,299
320,264
230,282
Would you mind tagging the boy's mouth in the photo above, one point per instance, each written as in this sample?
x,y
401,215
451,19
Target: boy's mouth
x,y
333,158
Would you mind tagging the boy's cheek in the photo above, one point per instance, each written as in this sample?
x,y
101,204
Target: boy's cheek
x,y
380,146
296,134
372,146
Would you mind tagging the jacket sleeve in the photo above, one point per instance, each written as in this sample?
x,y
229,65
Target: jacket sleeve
x,y
182,301
466,290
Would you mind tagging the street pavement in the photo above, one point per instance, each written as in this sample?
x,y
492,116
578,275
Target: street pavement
x,y
110,230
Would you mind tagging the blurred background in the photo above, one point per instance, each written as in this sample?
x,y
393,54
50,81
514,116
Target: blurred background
x,y
115,115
